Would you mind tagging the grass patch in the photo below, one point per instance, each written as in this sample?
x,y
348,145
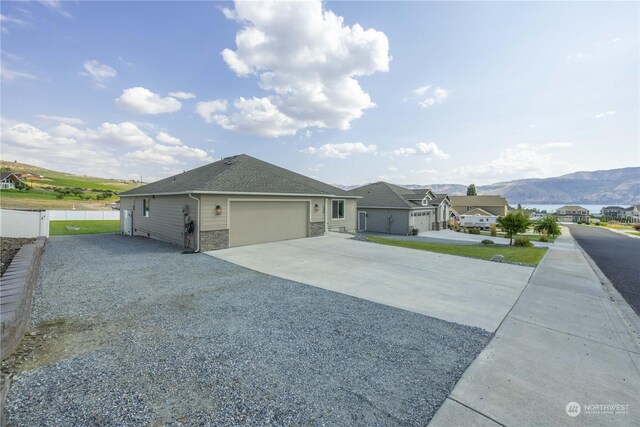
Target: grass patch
x,y
511,254
618,226
635,233
59,228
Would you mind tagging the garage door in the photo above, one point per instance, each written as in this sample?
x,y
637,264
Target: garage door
x,y
422,221
261,222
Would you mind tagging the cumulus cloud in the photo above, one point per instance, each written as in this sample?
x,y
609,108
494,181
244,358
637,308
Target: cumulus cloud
x,y
429,97
182,95
104,150
421,149
208,109
101,73
308,59
60,119
341,151
141,100
605,114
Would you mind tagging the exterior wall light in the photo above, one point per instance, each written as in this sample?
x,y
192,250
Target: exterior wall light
x,y
316,208
218,210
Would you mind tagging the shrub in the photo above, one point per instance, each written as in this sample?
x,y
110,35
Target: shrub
x,y
543,237
636,227
547,225
514,223
522,242
494,230
474,230
487,242
414,231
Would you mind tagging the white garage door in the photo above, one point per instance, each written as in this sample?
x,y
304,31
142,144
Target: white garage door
x,y
261,222
422,221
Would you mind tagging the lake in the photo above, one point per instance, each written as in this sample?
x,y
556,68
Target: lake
x,y
552,208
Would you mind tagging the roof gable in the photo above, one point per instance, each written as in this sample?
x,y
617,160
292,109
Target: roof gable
x,y
385,195
239,174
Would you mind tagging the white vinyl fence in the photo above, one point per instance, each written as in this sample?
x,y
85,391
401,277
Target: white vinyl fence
x,y
83,215
24,223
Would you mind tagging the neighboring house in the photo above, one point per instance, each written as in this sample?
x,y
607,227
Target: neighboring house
x,y
27,175
236,201
538,216
389,208
478,218
572,214
10,181
612,212
494,205
632,213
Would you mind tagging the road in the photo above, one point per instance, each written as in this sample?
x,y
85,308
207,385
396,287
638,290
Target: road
x,y
617,256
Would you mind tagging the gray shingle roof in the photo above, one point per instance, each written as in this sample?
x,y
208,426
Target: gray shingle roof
x,y
239,174
385,195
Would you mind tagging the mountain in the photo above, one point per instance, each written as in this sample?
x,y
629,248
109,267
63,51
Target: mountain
x,y
615,186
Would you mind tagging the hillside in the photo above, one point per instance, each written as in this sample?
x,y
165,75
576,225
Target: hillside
x,y
615,186
48,188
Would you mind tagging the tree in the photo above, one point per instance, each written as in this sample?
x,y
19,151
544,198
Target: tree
x,y
548,225
514,223
519,207
471,190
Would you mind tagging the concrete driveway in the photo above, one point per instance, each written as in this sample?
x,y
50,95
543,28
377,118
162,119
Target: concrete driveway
x,y
462,290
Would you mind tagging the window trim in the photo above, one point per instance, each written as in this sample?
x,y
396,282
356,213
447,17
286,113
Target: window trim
x,y
344,206
146,208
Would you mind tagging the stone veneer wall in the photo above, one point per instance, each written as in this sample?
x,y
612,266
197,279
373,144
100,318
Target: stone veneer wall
x,y
212,240
317,229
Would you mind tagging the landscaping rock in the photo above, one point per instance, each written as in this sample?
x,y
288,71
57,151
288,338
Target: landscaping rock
x,y
497,258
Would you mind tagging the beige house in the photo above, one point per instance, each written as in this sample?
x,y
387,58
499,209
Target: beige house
x,y
236,201
572,214
494,205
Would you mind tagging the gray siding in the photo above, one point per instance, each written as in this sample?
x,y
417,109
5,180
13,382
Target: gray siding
x,y
165,221
378,220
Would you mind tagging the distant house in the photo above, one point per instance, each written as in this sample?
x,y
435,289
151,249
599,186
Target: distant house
x,y
572,214
478,217
632,213
27,175
389,208
612,212
10,181
494,205
236,201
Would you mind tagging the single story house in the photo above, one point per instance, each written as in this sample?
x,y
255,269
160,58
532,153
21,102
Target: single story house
x,y
389,208
10,181
479,218
494,205
236,201
612,212
572,214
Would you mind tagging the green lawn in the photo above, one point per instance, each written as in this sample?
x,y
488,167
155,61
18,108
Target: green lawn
x,y
511,253
59,228
635,233
31,194
531,237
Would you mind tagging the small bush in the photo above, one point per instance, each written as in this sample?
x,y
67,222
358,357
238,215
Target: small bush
x,y
523,242
414,231
487,242
636,227
543,237
494,230
474,230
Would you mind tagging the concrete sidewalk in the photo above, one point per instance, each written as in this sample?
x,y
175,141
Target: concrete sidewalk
x,y
564,341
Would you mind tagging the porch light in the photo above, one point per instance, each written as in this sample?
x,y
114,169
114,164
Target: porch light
x,y
316,208
218,210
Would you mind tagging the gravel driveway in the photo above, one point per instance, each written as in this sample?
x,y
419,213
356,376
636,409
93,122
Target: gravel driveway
x,y
128,331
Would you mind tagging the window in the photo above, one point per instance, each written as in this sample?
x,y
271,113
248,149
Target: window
x,y
145,207
337,209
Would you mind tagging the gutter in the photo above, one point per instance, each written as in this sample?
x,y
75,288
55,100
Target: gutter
x,y
240,193
198,228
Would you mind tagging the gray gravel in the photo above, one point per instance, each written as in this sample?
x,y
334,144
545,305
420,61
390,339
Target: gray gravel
x,y
147,335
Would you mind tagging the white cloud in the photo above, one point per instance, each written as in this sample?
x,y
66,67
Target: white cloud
x,y
56,6
104,150
10,75
6,20
309,61
557,145
142,101
579,56
341,151
182,95
60,119
208,109
605,114
100,73
518,162
421,91
165,138
438,96
421,149
616,39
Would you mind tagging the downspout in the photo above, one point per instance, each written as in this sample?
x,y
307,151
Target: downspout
x,y
198,222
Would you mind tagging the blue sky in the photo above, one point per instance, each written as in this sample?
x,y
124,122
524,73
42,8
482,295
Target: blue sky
x,y
347,92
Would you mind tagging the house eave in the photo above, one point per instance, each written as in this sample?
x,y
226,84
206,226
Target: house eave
x,y
240,193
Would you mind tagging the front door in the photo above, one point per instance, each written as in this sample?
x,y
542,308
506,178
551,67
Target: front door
x,y
362,221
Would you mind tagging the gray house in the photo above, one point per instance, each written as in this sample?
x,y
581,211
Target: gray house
x,y
388,208
236,201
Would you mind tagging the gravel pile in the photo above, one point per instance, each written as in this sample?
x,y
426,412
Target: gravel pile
x,y
10,247
138,334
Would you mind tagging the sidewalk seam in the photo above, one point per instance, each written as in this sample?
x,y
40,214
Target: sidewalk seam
x,y
477,412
